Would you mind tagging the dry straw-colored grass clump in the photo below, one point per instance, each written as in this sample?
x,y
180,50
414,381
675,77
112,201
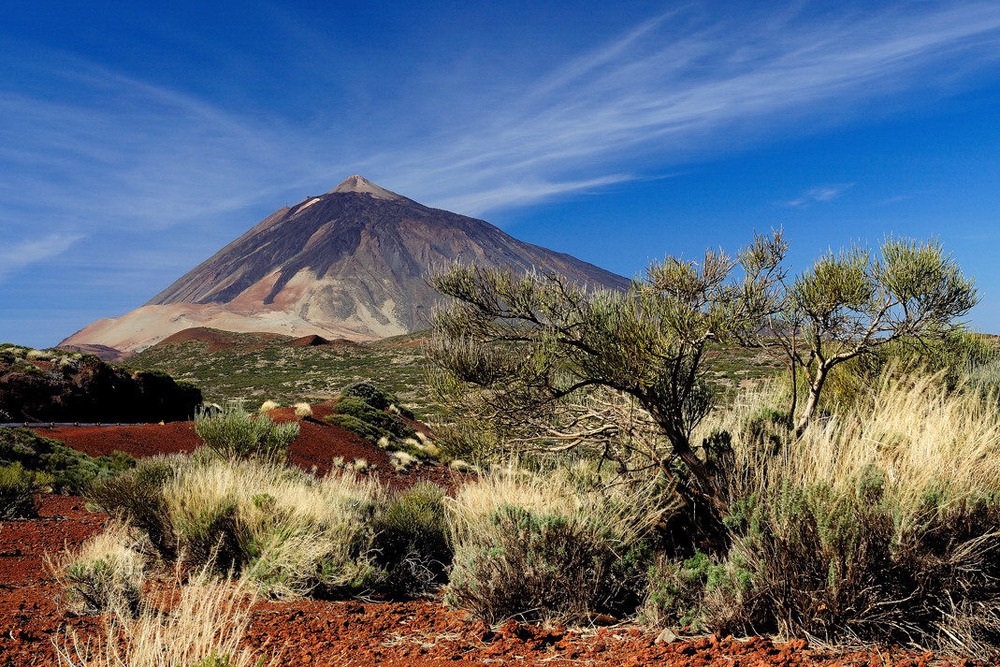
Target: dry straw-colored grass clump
x,y
545,545
287,530
107,573
199,625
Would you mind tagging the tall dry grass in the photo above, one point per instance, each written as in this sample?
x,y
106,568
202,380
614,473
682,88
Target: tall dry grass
x,y
923,441
199,625
883,521
285,530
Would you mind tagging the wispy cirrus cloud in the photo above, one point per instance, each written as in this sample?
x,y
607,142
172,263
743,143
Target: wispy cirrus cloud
x,y
677,89
818,195
23,253
99,151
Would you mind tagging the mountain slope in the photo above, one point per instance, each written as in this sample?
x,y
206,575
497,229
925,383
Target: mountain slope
x,y
352,263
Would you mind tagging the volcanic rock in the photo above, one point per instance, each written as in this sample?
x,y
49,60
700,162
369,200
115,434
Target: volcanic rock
x,y
88,390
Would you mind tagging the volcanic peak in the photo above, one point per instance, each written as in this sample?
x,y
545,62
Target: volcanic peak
x,y
362,185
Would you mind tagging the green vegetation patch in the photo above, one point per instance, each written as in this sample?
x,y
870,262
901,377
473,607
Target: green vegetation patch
x,y
57,467
256,367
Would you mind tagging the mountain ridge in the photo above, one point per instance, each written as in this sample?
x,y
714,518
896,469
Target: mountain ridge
x,y
351,263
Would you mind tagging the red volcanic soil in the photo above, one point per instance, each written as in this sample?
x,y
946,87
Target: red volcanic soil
x,y
421,633
315,448
30,612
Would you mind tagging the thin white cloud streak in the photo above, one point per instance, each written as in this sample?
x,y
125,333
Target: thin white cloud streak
x,y
151,159
22,254
818,195
676,95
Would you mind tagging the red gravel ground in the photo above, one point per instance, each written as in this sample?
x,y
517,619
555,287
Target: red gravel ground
x,y
310,632
317,445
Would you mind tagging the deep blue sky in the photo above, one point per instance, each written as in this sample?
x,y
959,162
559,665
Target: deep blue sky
x,y
138,138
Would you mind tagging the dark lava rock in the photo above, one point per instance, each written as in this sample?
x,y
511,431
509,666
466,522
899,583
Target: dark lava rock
x,y
60,387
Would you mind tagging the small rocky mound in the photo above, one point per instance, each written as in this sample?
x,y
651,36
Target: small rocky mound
x,y
308,341
60,386
216,339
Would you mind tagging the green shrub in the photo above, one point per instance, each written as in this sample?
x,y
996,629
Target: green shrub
x,y
375,397
234,434
467,442
843,567
62,469
766,430
679,592
354,425
216,660
411,541
388,423
535,566
137,498
17,493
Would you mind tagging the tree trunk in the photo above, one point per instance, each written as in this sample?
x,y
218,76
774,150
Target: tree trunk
x,y
813,400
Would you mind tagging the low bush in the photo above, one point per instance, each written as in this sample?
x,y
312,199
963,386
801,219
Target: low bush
x,y
106,573
411,541
61,469
137,498
701,593
288,532
375,397
17,493
350,423
234,433
384,423
547,546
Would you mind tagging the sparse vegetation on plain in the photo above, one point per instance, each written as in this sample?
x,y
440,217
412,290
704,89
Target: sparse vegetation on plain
x,y
256,368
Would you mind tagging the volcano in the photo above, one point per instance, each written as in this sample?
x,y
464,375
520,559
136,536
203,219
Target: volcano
x,y
352,263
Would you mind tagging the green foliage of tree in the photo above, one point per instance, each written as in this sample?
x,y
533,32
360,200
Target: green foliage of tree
x,y
851,304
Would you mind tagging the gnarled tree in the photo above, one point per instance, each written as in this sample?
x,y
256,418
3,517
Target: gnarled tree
x,y
555,363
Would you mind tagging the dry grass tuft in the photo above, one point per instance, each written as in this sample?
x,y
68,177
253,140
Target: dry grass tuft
x,y
202,628
545,545
288,531
106,574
